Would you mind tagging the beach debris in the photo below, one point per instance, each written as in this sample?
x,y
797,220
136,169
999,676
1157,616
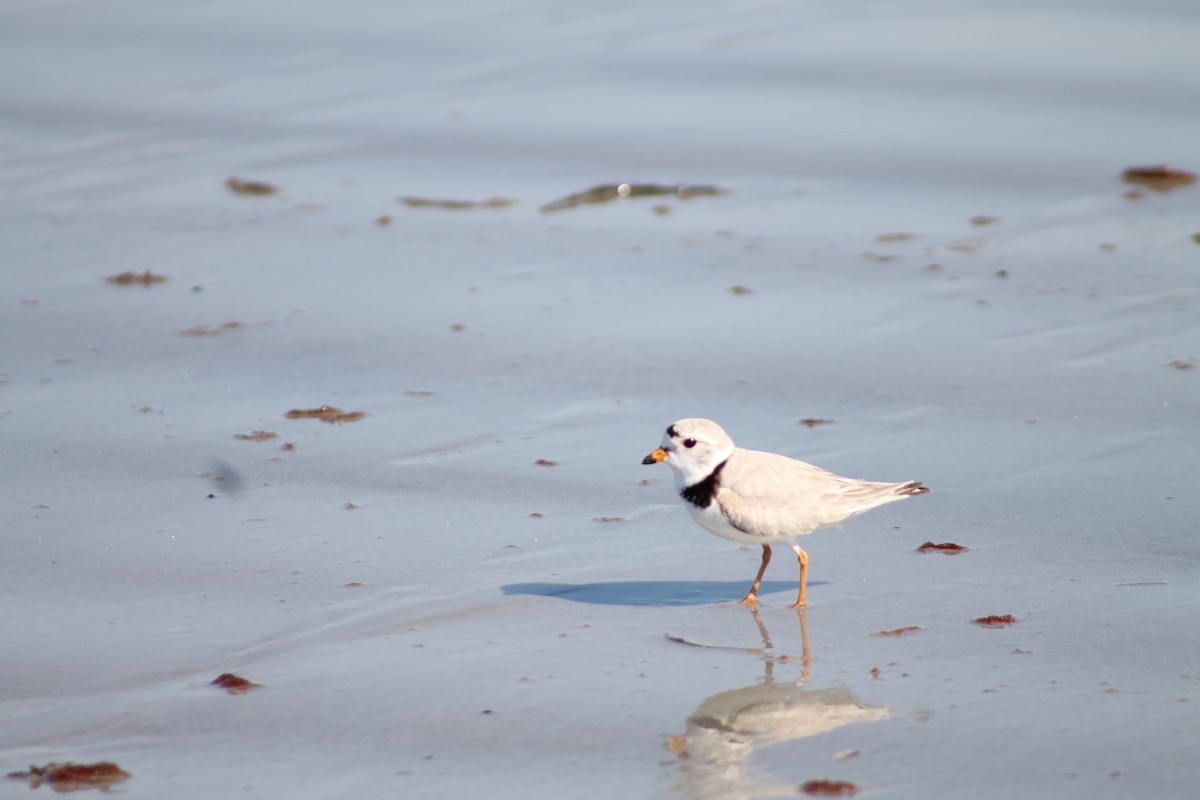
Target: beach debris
x,y
898,631
900,236
383,220
949,548
456,205
605,193
145,278
995,621
1159,177
608,519
250,188
812,422
326,414
211,330
1181,364
257,436
234,684
979,220
546,462
740,290
824,787
67,776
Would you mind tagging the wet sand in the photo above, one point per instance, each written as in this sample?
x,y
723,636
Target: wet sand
x,y
463,582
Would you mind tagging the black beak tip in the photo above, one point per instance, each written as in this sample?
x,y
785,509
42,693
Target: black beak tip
x,y
649,460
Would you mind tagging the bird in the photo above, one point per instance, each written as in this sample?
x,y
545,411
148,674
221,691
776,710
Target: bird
x,y
763,498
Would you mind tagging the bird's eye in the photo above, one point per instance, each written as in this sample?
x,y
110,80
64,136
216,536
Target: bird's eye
x,y
689,442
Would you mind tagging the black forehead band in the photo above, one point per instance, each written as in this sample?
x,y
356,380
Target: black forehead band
x,y
674,434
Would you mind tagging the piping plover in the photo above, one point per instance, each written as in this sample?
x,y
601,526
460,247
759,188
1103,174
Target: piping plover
x,y
763,498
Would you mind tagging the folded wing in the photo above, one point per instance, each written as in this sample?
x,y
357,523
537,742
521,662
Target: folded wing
x,y
769,494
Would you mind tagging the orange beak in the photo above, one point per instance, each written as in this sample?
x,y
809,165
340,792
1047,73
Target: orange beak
x,y
655,457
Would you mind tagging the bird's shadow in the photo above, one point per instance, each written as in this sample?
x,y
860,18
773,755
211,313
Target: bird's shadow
x,y
649,593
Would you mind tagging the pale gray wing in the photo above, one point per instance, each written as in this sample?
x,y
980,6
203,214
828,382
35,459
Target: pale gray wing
x,y
766,493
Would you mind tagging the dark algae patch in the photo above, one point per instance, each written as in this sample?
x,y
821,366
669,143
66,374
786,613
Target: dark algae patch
x,y
69,777
608,192
995,621
457,205
326,414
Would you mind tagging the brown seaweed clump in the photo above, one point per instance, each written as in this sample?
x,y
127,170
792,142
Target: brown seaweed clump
x,y
234,684
211,330
1159,177
66,776
899,631
146,278
257,436
995,621
823,787
949,548
250,188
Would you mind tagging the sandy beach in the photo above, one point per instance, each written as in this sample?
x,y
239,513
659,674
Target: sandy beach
x,y
410,291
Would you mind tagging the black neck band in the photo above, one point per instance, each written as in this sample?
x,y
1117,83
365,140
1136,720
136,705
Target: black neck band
x,y
701,494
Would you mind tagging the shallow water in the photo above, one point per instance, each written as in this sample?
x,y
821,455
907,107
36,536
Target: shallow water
x,y
475,622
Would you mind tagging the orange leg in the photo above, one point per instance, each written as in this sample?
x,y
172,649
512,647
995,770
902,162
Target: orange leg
x,y
802,557
750,598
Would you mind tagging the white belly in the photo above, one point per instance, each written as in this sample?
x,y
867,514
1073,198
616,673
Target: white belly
x,y
715,523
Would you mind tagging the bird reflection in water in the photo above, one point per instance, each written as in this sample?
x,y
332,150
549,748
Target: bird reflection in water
x,y
716,750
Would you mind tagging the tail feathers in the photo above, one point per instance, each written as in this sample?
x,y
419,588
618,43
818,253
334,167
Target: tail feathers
x,y
911,488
